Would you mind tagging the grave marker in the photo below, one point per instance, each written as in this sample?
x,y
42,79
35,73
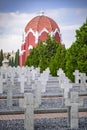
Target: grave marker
x,y
22,79
29,111
1,82
66,86
73,102
80,80
77,76
28,104
61,76
9,93
37,94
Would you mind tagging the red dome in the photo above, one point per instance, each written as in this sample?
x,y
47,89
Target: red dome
x,y
40,22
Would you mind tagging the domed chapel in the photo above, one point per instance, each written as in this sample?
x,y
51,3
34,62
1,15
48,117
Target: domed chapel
x,y
35,31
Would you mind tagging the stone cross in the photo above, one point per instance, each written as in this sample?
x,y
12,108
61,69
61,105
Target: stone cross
x,y
80,79
44,78
28,104
66,86
43,83
11,74
83,84
37,73
29,112
29,76
1,84
33,72
61,76
9,92
37,93
3,72
73,103
22,79
77,76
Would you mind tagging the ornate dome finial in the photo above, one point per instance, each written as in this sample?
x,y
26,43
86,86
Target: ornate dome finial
x,y
41,12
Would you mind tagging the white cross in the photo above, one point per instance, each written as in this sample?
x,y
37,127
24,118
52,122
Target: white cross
x,y
73,102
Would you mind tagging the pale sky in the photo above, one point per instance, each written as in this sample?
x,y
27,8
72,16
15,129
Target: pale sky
x,y
15,14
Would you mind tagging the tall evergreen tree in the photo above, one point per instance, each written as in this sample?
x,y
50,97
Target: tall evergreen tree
x,y
33,58
58,60
41,55
43,63
82,59
76,54
81,35
12,62
50,49
1,57
17,58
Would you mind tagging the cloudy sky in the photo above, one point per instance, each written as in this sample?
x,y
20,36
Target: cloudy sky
x,y
15,14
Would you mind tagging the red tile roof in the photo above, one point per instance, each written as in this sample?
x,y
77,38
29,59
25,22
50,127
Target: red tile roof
x,y
40,22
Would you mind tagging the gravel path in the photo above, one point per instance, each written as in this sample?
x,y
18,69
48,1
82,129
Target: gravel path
x,y
43,124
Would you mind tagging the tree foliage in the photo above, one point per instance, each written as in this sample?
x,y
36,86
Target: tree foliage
x,y
81,35
1,57
33,58
58,60
82,59
77,54
13,60
16,58
53,55
41,55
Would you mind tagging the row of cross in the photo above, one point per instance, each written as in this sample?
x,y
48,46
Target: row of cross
x,y
32,100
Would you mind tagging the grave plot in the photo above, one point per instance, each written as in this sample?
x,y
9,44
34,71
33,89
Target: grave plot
x,y
42,101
